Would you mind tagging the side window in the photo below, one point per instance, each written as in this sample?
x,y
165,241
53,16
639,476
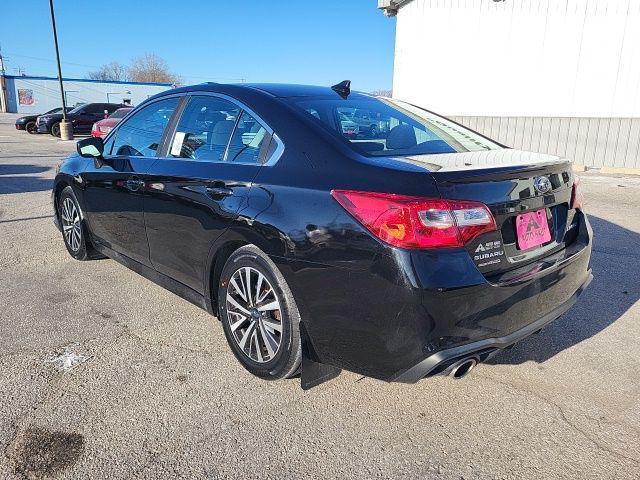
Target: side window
x,y
204,129
94,108
247,141
140,135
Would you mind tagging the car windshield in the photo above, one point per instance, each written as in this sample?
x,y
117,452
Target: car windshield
x,y
392,127
55,110
121,112
77,109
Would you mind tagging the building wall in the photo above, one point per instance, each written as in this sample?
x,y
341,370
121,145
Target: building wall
x,y
560,76
39,94
611,144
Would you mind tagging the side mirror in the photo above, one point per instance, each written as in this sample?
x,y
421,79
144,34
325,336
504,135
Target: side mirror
x,y
91,147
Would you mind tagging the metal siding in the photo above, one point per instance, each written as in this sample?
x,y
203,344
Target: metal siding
x,y
601,142
633,149
592,137
612,142
581,140
592,142
623,142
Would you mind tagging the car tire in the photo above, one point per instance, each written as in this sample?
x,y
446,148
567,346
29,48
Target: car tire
x,y
31,128
55,129
265,338
73,227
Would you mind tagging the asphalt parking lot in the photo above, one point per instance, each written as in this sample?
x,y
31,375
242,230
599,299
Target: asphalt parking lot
x,y
159,394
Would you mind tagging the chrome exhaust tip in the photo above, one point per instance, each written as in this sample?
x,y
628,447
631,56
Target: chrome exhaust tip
x,y
462,368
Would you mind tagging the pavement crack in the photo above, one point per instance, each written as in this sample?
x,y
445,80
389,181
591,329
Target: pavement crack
x,y
564,418
127,331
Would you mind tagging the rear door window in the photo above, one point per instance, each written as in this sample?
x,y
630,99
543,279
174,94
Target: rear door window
x,y
204,129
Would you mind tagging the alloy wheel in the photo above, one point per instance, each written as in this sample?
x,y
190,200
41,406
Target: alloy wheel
x,y
71,224
254,314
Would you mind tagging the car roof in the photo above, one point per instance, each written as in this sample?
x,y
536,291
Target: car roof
x,y
294,90
281,90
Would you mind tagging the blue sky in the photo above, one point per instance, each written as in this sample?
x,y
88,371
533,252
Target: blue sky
x,y
312,41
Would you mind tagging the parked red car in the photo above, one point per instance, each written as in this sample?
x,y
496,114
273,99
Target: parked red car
x,y
101,128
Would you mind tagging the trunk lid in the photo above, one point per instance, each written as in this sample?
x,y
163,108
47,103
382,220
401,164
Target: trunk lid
x,y
511,183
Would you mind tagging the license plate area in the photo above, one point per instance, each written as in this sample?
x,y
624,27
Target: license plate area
x,y
532,229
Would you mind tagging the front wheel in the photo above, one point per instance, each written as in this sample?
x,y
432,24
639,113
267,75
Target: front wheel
x,y
55,129
74,231
259,315
31,128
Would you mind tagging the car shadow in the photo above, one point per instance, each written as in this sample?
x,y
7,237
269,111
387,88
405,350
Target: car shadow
x,y
614,289
20,178
21,169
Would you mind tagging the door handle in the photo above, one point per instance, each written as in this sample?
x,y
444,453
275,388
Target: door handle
x,y
219,191
134,184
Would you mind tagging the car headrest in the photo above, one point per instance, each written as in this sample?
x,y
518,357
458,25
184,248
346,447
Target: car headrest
x,y
401,137
370,146
221,132
211,116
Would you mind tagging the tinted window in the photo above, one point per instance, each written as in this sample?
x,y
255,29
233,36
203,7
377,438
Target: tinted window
x,y
78,109
247,141
391,127
120,113
141,133
94,108
204,129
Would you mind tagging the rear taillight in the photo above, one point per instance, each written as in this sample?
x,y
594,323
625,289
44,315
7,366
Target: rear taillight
x,y
577,197
416,222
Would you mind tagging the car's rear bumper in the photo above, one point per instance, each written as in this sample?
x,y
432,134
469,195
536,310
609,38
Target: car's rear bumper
x,y
482,349
398,317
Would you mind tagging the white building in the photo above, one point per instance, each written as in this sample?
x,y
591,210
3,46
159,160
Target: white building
x,y
25,94
557,76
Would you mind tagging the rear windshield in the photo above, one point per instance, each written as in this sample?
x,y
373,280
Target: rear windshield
x,y
384,126
120,113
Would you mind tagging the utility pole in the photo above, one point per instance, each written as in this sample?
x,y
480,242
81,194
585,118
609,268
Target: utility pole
x,y
66,128
4,103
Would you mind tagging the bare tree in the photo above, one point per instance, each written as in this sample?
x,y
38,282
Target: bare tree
x,y
381,93
113,71
151,68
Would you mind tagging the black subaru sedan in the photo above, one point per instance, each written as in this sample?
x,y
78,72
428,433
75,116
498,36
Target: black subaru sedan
x,y
421,250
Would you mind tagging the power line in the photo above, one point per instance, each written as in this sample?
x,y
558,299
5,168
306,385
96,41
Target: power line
x,y
197,77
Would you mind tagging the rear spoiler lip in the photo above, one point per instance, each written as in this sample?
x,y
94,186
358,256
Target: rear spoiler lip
x,y
506,172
